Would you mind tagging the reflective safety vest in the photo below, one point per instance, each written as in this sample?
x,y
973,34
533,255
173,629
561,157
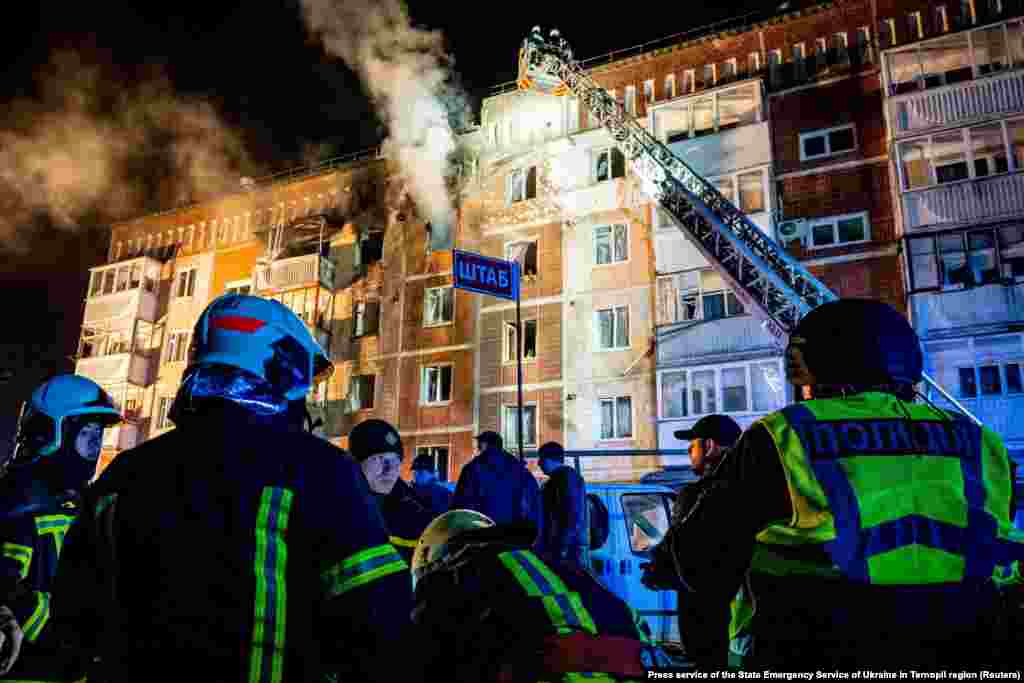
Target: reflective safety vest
x,y
894,492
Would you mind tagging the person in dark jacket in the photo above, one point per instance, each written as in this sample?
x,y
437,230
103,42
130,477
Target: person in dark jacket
x,y
488,609
498,485
377,447
424,482
564,502
703,619
237,546
57,447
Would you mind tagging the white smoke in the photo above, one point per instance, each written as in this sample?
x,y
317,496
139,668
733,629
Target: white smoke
x,y
408,76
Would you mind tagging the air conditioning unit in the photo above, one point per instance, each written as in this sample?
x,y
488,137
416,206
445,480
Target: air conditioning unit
x,y
792,230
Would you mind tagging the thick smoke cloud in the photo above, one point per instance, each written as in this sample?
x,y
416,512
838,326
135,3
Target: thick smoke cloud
x,y
95,146
408,76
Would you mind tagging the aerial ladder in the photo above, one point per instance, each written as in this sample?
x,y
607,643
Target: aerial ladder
x,y
769,282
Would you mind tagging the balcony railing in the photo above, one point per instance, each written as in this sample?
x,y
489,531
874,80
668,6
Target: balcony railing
x,y
1000,196
960,103
962,310
130,303
133,368
297,271
828,64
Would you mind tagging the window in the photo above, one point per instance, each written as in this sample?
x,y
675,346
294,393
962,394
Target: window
x,y
631,100
689,81
529,341
613,328
915,26
161,415
670,86
993,379
647,519
821,52
360,392
752,195
799,59
709,75
754,62
609,163
240,287
723,110
96,284
439,456
886,33
436,384
649,92
967,258
359,319
611,244
836,230
524,253
695,295
864,44
944,158
438,303
510,426
750,387
522,184
728,72
186,283
616,418
967,14
941,19
177,347
828,142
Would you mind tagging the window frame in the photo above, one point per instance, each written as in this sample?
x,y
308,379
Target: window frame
x,y
189,275
163,409
424,369
829,152
596,155
597,328
1000,364
177,345
233,286
915,24
441,323
673,136
692,75
525,170
614,400
754,64
432,453
508,351
611,236
727,292
734,179
734,63
942,15
963,233
650,94
748,365
629,101
508,434
967,147
535,241
670,92
863,215
357,383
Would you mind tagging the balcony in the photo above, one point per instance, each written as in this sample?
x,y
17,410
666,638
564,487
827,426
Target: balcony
x,y
1002,414
133,368
127,289
733,338
833,62
122,437
975,200
957,104
297,271
959,312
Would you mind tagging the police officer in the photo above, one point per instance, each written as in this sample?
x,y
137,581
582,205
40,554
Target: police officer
x,y
237,545
425,484
60,434
489,609
498,485
872,525
564,502
377,448
703,623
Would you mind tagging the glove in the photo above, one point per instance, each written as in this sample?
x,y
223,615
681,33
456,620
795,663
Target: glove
x,y
10,640
654,579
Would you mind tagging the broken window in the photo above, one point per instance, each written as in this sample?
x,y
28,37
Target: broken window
x,y
524,253
436,384
361,392
186,283
522,184
529,341
610,163
437,306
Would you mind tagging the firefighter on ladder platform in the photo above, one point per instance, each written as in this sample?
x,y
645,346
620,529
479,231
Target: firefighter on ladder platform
x,y
237,545
872,526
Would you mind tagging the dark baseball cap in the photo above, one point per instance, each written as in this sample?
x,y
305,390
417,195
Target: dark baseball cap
x,y
372,437
490,438
721,428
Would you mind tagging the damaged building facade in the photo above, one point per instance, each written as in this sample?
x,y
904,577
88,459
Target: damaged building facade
x,y
863,136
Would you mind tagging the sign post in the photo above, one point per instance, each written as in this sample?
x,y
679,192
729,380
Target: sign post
x,y
499,278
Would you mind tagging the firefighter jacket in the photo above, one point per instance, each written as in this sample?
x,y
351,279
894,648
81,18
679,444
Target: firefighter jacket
x,y
498,485
510,614
227,550
566,531
406,516
872,528
33,526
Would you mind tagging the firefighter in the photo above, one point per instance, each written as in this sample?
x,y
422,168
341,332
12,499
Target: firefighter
x,y
57,446
377,448
425,484
564,502
703,624
498,484
490,609
872,526
237,545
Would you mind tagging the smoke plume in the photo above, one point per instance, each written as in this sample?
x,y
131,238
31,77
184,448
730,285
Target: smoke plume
x,y
408,76
95,146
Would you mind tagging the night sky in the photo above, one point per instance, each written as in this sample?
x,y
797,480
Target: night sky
x,y
268,79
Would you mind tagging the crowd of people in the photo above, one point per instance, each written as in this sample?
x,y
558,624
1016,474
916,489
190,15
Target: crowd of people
x,y
854,528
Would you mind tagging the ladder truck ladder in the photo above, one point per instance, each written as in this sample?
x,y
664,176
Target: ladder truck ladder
x,y
771,284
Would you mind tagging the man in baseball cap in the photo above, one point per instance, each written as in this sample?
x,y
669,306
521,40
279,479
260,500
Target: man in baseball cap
x,y
426,485
708,439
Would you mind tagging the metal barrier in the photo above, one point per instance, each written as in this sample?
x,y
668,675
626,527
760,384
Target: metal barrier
x,y
578,454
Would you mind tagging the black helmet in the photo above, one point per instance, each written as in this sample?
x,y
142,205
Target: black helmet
x,y
854,342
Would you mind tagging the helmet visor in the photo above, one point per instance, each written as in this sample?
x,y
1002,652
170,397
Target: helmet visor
x,y
289,368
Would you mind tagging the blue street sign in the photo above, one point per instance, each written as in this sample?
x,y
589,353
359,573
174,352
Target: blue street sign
x,y
486,275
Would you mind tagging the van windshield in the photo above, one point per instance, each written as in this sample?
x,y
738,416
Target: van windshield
x,y
647,519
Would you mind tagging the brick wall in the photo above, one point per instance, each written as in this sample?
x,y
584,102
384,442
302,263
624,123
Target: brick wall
x,y
877,278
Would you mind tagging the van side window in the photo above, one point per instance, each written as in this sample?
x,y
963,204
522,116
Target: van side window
x,y
647,519
599,525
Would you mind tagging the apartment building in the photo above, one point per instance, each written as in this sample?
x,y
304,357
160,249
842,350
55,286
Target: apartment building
x,y
954,102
